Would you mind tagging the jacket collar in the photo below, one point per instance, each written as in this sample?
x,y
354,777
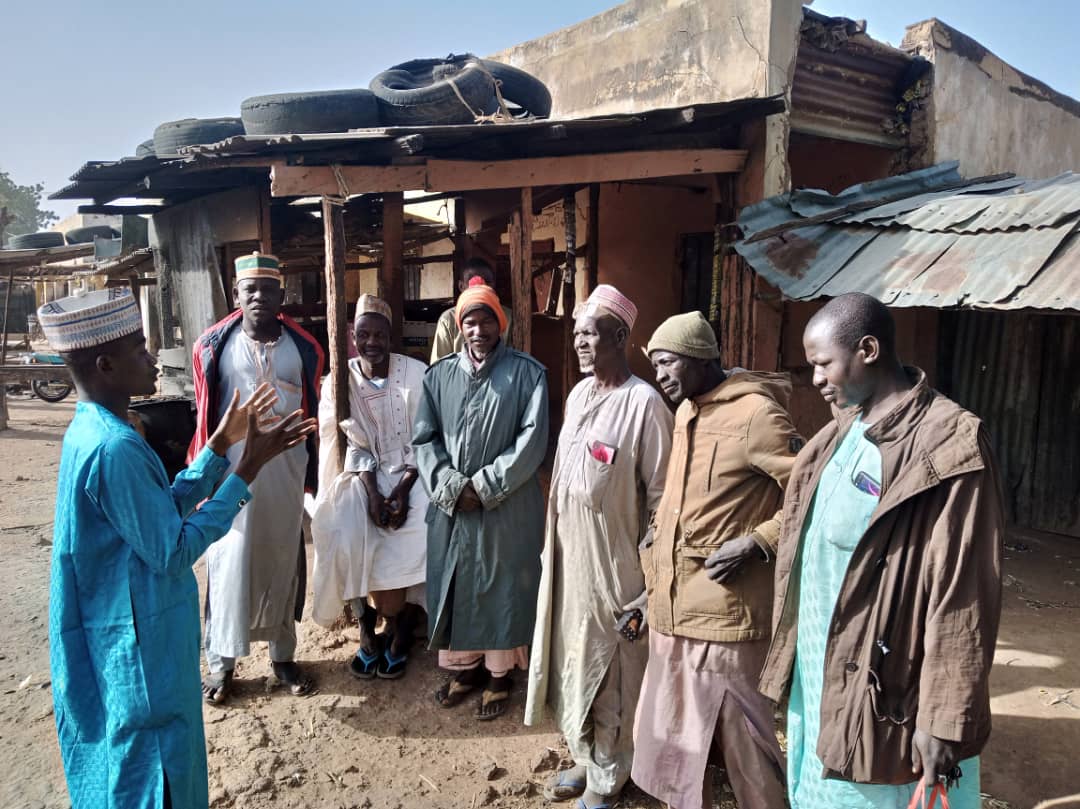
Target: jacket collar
x,y
490,361
739,382
901,420
915,459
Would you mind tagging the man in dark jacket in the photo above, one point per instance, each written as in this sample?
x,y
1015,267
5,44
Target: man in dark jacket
x,y
888,579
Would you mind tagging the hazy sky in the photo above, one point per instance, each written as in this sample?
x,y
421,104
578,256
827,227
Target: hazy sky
x,y
90,80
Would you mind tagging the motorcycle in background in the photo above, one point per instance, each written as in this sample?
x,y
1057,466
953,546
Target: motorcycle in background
x,y
49,390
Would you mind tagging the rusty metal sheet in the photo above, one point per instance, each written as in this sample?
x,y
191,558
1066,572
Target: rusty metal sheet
x,y
847,87
1008,244
890,213
800,262
813,202
889,264
1057,285
984,269
1020,373
1020,207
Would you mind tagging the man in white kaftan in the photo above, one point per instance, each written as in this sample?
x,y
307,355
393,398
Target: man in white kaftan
x,y
353,555
252,571
254,574
608,478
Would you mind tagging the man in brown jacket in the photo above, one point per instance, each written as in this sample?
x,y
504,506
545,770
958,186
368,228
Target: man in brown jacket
x,y
888,579
709,576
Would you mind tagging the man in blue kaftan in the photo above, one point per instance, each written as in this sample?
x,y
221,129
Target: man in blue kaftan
x,y
124,616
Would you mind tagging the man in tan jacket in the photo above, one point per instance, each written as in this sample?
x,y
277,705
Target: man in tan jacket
x,y
888,586
709,576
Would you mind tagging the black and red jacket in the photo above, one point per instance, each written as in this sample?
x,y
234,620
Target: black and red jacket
x,y
204,365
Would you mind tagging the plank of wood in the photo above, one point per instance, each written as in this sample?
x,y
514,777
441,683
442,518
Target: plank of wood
x,y
521,273
392,273
265,243
468,175
474,175
461,242
569,296
3,340
337,322
34,371
592,252
316,181
7,309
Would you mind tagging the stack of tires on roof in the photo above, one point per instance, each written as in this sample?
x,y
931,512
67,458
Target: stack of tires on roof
x,y
460,89
53,238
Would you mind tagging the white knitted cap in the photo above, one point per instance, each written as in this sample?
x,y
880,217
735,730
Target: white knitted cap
x,y
88,319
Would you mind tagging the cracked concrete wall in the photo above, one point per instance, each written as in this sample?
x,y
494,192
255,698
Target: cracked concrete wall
x,y
989,115
652,54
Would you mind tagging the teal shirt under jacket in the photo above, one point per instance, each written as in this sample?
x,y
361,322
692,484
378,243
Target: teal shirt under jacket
x,y
124,615
487,426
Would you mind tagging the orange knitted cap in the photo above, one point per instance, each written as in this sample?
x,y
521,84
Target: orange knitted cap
x,y
479,294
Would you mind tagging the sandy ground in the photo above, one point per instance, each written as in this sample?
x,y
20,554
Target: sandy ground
x,y
385,745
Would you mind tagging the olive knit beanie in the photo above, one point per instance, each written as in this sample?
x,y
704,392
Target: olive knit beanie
x,y
689,334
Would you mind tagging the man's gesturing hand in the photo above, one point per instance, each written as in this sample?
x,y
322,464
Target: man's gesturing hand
x,y
724,562
261,446
233,424
931,756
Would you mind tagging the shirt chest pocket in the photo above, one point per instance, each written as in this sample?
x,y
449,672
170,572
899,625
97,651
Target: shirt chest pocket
x,y
597,461
850,507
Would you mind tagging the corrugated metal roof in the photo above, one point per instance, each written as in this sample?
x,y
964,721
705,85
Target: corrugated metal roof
x,y
847,85
927,238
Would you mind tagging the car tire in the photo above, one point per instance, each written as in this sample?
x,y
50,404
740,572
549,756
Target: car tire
x,y
36,241
298,113
170,136
521,89
86,235
420,92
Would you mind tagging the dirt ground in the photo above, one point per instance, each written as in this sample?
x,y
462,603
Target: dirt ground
x,y
386,745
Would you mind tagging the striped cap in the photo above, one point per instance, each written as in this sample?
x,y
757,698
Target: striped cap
x,y
89,319
258,265
606,298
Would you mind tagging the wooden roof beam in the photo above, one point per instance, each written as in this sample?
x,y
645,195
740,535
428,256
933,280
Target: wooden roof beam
x,y
475,175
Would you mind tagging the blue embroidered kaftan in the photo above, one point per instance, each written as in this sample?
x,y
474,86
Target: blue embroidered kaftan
x,y
124,615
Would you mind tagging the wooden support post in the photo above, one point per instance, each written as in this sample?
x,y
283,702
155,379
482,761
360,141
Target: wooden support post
x,y
392,273
569,279
265,242
3,346
461,242
521,273
7,310
569,296
5,220
337,323
592,255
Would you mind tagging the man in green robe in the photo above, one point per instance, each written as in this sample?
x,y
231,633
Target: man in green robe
x,y
479,435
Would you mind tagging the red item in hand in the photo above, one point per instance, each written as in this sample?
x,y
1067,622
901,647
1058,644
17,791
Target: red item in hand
x,y
919,800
